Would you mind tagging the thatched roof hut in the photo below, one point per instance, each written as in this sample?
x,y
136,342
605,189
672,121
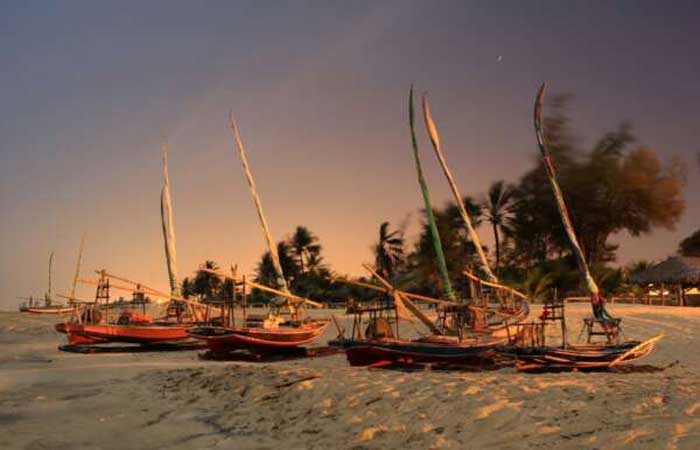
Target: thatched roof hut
x,y
682,270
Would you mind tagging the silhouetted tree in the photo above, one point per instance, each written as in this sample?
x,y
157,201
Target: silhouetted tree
x,y
690,246
206,285
304,245
611,189
389,255
499,207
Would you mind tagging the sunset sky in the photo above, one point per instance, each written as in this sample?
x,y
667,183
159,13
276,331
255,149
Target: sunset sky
x,y
88,90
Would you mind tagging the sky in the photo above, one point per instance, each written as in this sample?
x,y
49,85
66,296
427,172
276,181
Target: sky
x,y
89,90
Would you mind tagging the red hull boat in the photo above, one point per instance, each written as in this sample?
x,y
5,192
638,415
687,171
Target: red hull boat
x,y
225,339
82,334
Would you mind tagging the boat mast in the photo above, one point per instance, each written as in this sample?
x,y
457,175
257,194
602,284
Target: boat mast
x,y
49,294
597,301
435,140
77,269
435,235
281,281
166,215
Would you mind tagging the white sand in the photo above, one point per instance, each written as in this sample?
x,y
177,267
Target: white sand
x,y
54,400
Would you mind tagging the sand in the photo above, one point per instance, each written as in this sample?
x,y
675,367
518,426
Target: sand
x,y
174,400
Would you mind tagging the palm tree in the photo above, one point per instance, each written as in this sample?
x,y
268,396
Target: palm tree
x,y
206,285
315,263
304,245
499,207
266,273
389,251
187,288
537,283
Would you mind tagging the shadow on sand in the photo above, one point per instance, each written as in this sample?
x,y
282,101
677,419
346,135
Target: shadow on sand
x,y
130,348
270,356
639,368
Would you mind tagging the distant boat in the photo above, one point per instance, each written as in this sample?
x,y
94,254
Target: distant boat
x,y
35,306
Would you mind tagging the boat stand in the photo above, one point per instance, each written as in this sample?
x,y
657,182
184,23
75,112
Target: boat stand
x,y
610,328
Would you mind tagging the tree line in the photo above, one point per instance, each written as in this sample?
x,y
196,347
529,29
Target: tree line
x,y
617,185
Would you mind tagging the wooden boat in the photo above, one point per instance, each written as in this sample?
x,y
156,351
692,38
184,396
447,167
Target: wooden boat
x,y
464,329
49,306
583,356
228,339
151,333
96,323
587,356
50,309
365,352
92,323
273,332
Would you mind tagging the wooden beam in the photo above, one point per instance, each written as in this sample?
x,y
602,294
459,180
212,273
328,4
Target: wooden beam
x,y
406,302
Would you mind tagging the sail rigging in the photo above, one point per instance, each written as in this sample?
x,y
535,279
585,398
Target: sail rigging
x,y
597,300
281,280
435,140
166,214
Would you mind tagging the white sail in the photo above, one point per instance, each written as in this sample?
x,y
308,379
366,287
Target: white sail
x,y
435,140
166,214
256,198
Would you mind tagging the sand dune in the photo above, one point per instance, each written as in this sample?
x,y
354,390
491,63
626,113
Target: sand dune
x,y
175,400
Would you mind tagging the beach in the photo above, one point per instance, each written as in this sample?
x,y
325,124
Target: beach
x,y
51,399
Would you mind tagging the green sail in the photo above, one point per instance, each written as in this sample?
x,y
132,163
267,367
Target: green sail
x,y
437,245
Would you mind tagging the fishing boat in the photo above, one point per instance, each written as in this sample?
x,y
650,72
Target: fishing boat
x,y
285,324
463,330
375,337
97,323
47,305
100,321
588,356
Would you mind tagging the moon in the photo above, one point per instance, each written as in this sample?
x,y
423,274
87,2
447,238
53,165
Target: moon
x,y
500,58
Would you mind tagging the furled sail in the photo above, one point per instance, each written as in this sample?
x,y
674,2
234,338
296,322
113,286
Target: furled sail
x,y
437,245
435,140
281,281
166,215
597,300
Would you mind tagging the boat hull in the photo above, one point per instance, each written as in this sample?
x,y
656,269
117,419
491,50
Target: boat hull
x,y
227,339
48,310
369,352
82,334
584,356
